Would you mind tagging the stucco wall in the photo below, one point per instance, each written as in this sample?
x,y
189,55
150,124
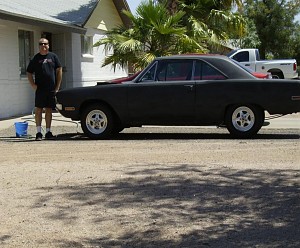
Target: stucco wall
x,y
88,70
105,16
16,95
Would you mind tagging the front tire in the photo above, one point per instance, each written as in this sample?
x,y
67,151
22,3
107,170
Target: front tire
x,y
244,121
97,121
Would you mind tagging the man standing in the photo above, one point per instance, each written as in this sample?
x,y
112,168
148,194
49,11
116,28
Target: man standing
x,y
47,70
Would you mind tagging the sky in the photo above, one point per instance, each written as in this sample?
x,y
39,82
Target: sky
x,y
133,4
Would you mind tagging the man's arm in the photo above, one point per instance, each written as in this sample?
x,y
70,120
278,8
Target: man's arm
x,y
58,78
31,81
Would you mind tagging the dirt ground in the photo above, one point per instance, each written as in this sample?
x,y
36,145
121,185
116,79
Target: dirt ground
x,y
151,187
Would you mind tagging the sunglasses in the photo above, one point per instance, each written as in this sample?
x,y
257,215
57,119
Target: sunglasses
x,y
43,43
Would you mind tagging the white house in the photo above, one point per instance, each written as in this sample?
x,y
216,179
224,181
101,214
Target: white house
x,y
71,27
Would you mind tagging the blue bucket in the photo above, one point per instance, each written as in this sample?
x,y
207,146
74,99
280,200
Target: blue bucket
x,y
21,128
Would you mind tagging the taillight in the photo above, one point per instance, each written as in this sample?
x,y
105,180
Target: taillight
x,y
295,66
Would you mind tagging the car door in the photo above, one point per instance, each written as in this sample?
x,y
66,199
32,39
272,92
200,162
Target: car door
x,y
210,92
245,58
164,94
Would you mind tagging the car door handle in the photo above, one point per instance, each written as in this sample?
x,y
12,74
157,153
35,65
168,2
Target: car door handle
x,y
247,64
190,86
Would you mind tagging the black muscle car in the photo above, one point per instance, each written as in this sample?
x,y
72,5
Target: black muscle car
x,y
181,90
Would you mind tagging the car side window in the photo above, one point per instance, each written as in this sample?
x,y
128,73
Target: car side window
x,y
175,70
150,74
241,56
204,71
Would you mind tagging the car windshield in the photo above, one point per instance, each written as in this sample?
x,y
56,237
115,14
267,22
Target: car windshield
x,y
231,52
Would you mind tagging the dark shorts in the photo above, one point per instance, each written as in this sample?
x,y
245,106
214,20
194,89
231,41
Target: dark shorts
x,y
44,99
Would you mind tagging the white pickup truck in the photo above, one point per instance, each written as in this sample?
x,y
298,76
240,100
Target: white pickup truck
x,y
283,68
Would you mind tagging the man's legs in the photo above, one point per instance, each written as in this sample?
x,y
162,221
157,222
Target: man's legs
x,y
48,118
44,98
38,122
38,116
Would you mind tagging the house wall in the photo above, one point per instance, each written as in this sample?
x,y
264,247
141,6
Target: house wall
x,y
16,95
88,70
105,16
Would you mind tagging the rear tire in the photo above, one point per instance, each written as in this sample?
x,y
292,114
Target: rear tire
x,y
97,121
244,121
277,75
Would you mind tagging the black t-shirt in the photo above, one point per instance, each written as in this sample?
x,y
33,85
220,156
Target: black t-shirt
x,y
44,68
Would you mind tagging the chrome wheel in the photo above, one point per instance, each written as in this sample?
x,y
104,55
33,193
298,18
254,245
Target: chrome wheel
x,y
96,122
243,119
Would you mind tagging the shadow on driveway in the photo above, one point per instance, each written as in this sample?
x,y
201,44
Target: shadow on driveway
x,y
68,134
181,205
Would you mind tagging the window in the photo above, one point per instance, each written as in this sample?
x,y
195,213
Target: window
x,y
242,56
181,70
204,71
149,76
86,44
25,49
175,70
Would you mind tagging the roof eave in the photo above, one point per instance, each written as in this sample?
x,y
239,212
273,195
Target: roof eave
x,y
38,22
120,5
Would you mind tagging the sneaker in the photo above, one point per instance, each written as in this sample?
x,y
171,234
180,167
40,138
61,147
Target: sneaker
x,y
49,135
38,136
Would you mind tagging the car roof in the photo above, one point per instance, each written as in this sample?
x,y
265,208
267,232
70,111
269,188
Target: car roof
x,y
221,62
192,56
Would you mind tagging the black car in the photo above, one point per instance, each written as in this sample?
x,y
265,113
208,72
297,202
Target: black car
x,y
181,90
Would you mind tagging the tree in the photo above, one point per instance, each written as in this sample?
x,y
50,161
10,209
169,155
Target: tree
x,y
296,46
213,21
153,33
250,39
275,25
165,27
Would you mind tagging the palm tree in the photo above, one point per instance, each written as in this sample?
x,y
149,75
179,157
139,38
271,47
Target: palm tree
x,y
209,19
153,33
165,27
